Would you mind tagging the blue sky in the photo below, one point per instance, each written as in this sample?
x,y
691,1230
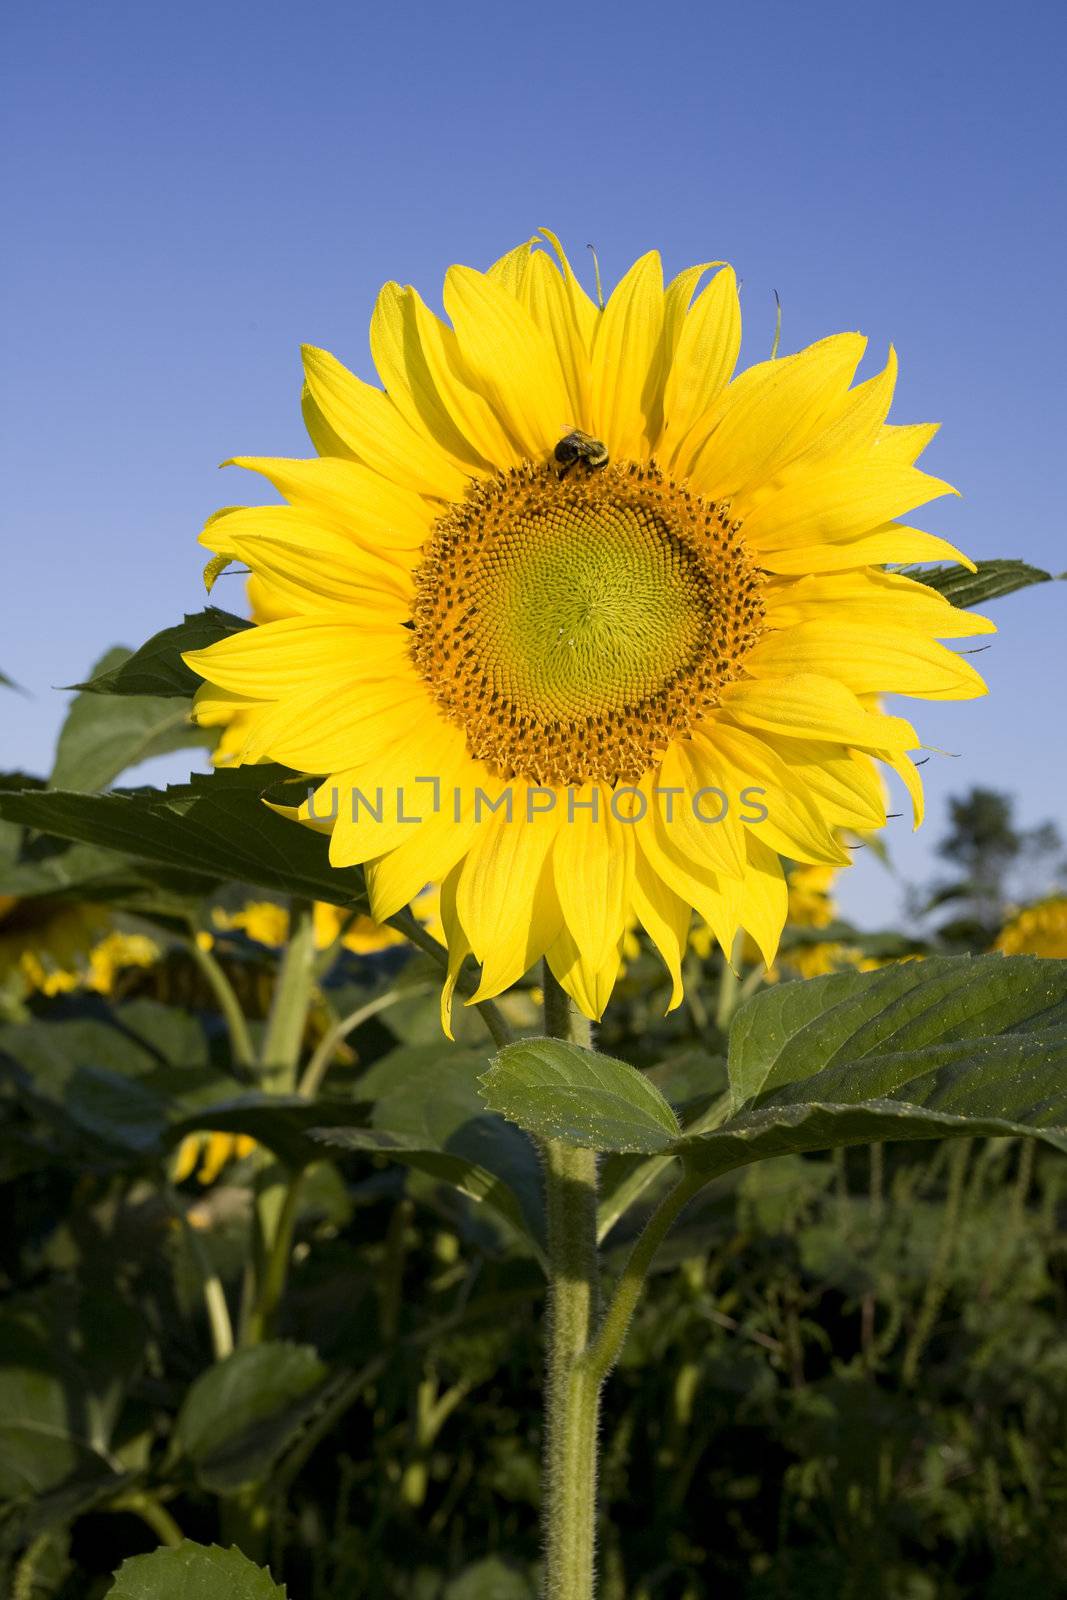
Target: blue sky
x,y
195,190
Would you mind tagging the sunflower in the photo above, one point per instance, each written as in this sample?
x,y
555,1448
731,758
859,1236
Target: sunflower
x,y
1038,930
609,622
55,947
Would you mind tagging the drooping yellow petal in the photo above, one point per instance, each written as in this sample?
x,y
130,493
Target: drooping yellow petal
x,y
589,985
592,861
504,898
764,897
792,823
665,917
845,782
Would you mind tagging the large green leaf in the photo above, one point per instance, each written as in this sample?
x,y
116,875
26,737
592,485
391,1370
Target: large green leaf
x,y
104,735
217,826
136,1079
427,1113
969,589
791,1031
241,1414
948,1046
157,667
194,1572
67,1358
560,1091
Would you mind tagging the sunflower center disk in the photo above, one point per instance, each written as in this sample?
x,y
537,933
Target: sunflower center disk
x,y
574,626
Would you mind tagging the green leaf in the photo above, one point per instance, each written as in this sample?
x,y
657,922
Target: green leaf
x,y
969,589
67,1358
560,1091
947,1046
193,1572
491,1579
427,1113
241,1414
157,667
217,826
104,735
791,1031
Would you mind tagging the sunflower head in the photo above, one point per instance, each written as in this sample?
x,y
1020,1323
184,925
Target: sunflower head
x,y
581,625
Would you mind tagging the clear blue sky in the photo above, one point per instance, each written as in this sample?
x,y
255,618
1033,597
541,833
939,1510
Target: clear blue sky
x,y
196,189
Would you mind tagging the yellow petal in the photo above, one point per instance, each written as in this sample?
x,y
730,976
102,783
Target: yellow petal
x,y
905,444
839,502
368,422
309,563
549,301
418,360
379,514
299,653
764,898
767,415
704,359
665,917
793,824
692,767
458,947
509,359
588,985
869,596
805,706
585,313
867,660
624,388
891,542
592,863
325,441
844,782
430,852
854,424
505,898
378,795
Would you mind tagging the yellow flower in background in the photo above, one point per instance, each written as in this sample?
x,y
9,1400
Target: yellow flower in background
x,y
810,903
267,923
56,947
1039,930
566,563
206,1154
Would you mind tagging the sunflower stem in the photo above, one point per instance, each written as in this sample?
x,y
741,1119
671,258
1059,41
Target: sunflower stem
x,y
572,1395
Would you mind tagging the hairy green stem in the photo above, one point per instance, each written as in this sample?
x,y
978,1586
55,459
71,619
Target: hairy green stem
x,y
572,1397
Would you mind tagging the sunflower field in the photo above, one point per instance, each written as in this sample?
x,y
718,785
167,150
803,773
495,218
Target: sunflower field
x,y
454,1147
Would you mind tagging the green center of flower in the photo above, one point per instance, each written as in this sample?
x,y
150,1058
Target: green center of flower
x,y
575,625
